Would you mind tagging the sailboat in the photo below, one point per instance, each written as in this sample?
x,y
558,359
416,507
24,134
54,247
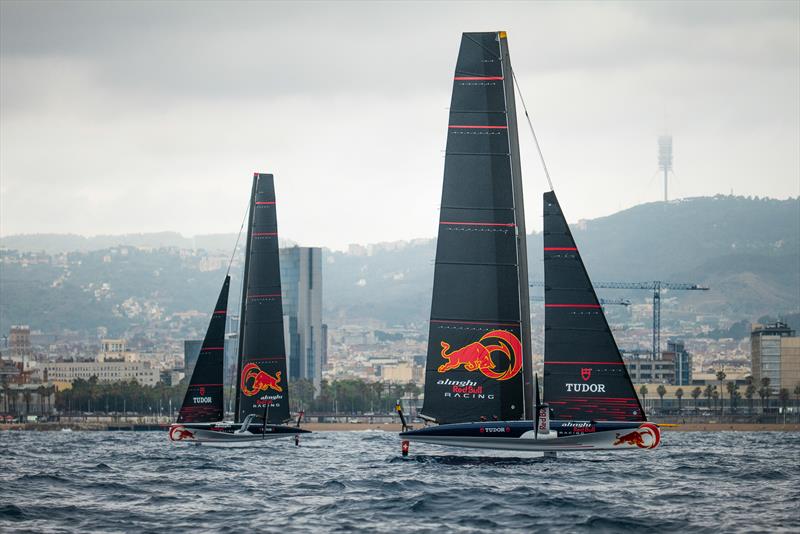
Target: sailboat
x,y
262,393
480,390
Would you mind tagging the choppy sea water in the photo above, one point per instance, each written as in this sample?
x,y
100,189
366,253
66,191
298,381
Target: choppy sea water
x,y
345,481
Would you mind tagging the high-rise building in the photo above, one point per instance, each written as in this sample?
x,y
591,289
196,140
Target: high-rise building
x,y
676,352
301,285
19,344
775,354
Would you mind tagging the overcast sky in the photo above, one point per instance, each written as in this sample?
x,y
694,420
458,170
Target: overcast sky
x,y
137,117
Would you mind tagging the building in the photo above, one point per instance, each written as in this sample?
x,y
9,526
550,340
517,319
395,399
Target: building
x,y
676,353
19,344
301,288
109,371
647,371
115,350
775,354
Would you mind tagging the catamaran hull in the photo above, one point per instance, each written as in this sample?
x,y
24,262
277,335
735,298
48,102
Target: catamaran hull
x,y
519,436
230,434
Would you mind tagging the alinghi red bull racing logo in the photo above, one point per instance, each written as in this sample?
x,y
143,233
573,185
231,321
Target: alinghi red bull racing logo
x,y
477,356
254,380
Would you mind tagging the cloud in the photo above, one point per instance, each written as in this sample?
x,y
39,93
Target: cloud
x,y
145,116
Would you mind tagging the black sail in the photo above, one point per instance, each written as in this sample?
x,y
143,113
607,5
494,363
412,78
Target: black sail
x,y
262,384
203,402
585,377
479,329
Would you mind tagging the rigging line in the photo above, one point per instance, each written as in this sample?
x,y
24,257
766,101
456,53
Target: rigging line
x,y
238,237
530,125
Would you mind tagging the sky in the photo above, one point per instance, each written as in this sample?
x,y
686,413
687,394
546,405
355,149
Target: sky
x,y
130,117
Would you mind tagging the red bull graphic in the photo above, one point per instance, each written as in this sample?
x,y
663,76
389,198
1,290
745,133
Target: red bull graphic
x,y
647,436
477,356
254,380
179,433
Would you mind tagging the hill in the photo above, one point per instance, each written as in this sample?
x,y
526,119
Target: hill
x,y
746,249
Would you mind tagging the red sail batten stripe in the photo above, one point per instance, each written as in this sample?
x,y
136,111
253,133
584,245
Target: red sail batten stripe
x,y
451,126
478,78
551,249
262,203
571,305
212,348
220,311
263,296
473,322
258,234
584,363
466,223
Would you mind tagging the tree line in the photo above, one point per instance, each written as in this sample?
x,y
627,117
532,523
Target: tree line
x,y
345,396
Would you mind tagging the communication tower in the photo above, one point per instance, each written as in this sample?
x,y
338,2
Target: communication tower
x,y
665,159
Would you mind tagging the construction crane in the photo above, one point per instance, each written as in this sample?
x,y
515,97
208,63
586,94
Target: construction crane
x,y
656,286
603,302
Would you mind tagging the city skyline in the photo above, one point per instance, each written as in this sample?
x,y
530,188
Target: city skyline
x,y
166,110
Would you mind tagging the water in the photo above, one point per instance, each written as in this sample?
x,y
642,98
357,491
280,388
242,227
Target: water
x,y
343,481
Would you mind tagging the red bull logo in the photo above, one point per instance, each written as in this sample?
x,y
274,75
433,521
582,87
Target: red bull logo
x,y
179,433
254,380
647,436
477,356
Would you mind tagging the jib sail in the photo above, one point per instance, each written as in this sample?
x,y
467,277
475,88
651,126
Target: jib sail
x,y
262,384
585,377
203,402
478,345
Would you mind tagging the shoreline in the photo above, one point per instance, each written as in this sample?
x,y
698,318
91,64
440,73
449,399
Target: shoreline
x,y
373,427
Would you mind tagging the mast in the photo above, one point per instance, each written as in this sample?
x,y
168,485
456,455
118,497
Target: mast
x,y
474,350
261,387
522,244
585,377
203,402
243,303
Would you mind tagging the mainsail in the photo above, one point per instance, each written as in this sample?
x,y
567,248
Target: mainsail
x,y
262,385
203,402
480,327
585,377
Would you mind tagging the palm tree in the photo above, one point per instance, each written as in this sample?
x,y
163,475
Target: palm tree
x,y
661,390
748,393
797,400
720,378
765,392
731,387
40,391
679,396
643,393
783,395
696,392
715,395
27,396
709,392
